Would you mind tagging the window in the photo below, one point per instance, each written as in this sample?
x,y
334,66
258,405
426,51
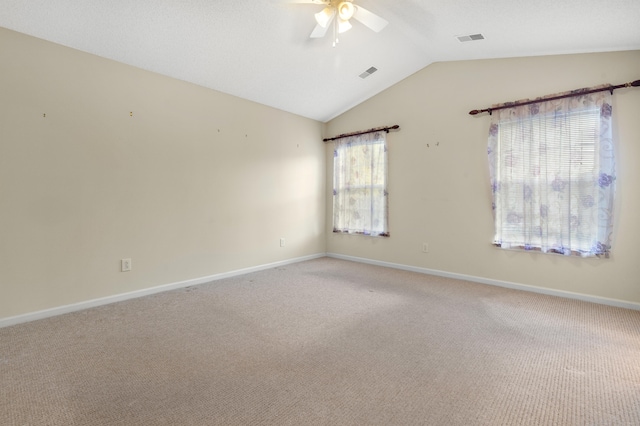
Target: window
x,y
552,175
360,195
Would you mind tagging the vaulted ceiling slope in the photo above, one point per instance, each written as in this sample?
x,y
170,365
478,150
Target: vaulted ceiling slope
x,y
260,50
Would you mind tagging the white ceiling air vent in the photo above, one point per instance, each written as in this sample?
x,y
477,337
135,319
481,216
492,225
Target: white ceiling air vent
x,y
471,37
368,72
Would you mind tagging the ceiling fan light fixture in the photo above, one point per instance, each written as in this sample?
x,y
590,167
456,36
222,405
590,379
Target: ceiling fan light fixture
x,y
338,13
346,10
343,26
324,17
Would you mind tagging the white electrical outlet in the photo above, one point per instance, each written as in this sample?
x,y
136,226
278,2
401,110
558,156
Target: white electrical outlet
x,y
282,242
425,247
125,265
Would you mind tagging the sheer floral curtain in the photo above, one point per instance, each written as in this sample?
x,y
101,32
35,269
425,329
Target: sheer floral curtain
x,y
552,175
360,194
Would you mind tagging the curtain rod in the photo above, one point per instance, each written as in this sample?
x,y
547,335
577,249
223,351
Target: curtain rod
x,y
568,95
364,132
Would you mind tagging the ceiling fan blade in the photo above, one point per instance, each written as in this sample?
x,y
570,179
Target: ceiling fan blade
x,y
319,31
369,19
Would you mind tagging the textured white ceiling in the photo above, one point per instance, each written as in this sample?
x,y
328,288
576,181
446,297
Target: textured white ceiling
x,y
260,49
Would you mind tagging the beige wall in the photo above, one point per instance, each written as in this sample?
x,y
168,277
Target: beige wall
x,y
195,183
439,191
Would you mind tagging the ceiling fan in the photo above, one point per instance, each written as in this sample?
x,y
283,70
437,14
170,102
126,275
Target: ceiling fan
x,y
340,12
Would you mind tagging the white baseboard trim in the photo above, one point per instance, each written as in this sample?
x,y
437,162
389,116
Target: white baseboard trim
x,y
32,316
567,294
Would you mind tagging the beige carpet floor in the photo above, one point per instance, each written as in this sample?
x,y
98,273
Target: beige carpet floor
x,y
327,342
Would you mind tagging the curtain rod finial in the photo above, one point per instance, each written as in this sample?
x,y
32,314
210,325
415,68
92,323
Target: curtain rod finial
x,y
474,112
636,83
